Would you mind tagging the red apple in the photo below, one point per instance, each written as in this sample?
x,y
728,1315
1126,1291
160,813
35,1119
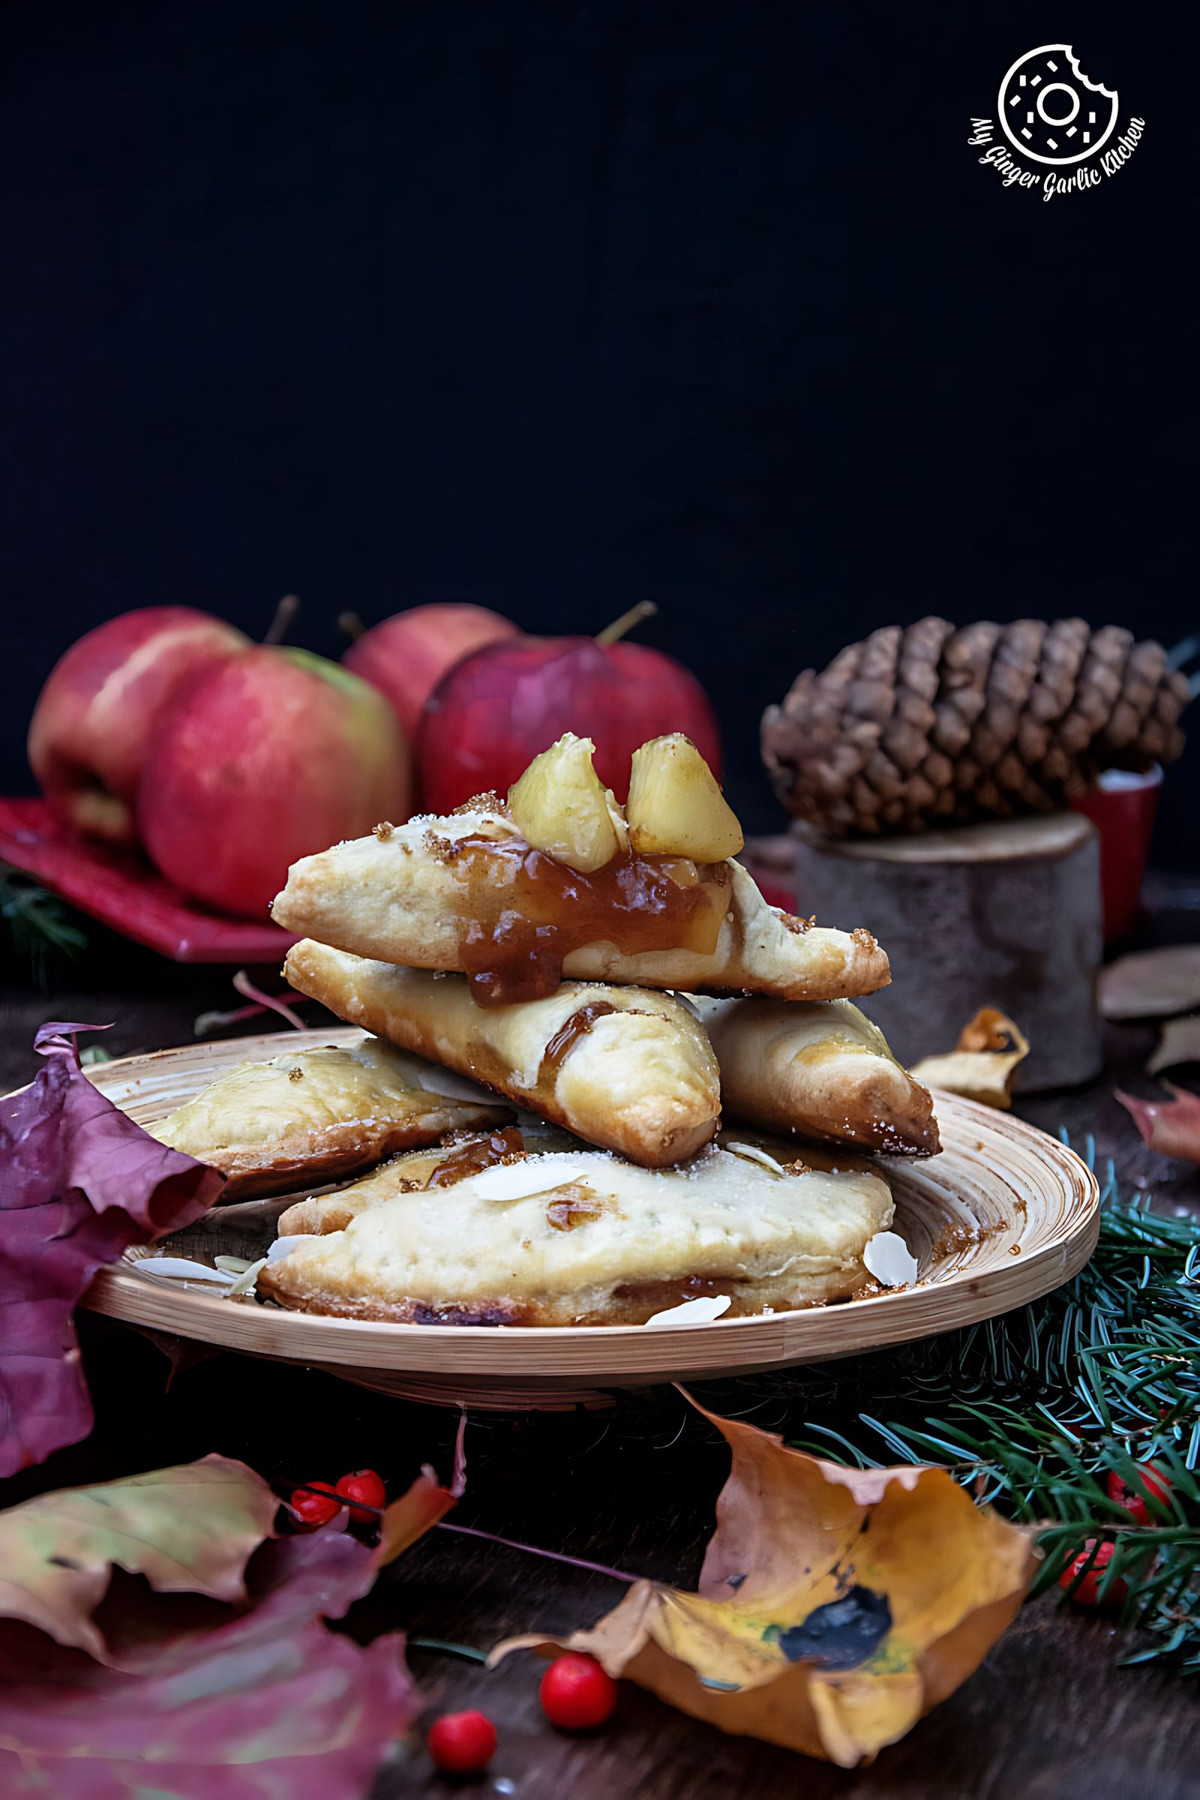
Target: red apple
x,y
406,656
265,759
496,710
103,702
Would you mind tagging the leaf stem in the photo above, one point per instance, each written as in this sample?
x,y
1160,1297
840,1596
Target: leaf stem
x,y
576,1562
276,1003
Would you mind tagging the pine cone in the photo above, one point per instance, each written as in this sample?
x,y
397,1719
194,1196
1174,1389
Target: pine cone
x,y
927,725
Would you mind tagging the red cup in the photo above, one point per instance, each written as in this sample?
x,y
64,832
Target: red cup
x,y
1122,809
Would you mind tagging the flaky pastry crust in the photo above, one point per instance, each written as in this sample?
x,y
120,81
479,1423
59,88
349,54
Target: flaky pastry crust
x,y
404,896
822,1070
594,1240
311,1116
629,1070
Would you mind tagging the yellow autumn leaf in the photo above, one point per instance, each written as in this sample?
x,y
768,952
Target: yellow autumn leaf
x,y
836,1606
983,1062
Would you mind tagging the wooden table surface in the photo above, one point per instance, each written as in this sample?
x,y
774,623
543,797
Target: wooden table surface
x,y
1048,1715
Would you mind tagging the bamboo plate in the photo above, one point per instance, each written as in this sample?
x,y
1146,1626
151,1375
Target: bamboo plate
x,y
1003,1215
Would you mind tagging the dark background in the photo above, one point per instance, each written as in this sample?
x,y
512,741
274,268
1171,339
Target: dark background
x,y
556,307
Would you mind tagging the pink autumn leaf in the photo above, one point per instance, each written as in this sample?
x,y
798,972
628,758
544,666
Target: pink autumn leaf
x,y
1170,1126
79,1183
267,1703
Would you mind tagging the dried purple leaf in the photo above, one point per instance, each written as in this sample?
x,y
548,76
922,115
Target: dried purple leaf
x,y
79,1183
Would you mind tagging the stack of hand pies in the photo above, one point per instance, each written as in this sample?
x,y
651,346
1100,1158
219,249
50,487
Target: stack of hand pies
x,y
564,996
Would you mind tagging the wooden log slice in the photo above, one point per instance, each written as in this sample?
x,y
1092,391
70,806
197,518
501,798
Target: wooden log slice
x,y
1001,914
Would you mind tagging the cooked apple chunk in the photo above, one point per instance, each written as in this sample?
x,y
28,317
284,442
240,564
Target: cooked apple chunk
x,y
675,807
561,806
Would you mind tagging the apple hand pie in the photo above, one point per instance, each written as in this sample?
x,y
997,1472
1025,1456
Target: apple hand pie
x,y
469,893
628,1070
465,1153
823,1070
311,1116
578,1237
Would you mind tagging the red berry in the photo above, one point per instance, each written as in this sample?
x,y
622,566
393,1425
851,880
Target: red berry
x,y
366,1487
315,1509
462,1742
1156,1482
1088,1591
576,1693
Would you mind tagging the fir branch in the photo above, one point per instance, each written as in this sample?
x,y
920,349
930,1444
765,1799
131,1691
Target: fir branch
x,y
1032,1410
40,928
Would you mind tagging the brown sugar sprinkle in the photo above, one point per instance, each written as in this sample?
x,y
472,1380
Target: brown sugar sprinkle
x,y
441,849
383,830
799,926
489,802
955,1236
862,937
961,1236
295,1074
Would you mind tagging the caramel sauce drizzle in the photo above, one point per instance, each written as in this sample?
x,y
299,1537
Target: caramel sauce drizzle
x,y
573,1206
480,1153
537,911
568,1035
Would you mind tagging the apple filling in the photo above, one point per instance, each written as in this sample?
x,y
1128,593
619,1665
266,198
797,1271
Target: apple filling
x,y
580,869
540,910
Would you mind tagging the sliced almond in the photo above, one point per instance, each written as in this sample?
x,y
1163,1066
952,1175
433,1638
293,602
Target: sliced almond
x,y
532,1175
182,1268
283,1246
675,807
245,1283
755,1154
889,1259
561,806
700,1311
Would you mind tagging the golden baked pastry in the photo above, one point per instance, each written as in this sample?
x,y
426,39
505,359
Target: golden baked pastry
x,y
578,1237
449,1162
629,1070
467,893
822,1069
311,1116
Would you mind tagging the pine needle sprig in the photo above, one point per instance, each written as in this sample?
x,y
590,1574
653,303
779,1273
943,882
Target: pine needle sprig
x,y
1033,1410
40,928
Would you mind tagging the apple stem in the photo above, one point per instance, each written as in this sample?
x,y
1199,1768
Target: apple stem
x,y
352,625
281,624
644,609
